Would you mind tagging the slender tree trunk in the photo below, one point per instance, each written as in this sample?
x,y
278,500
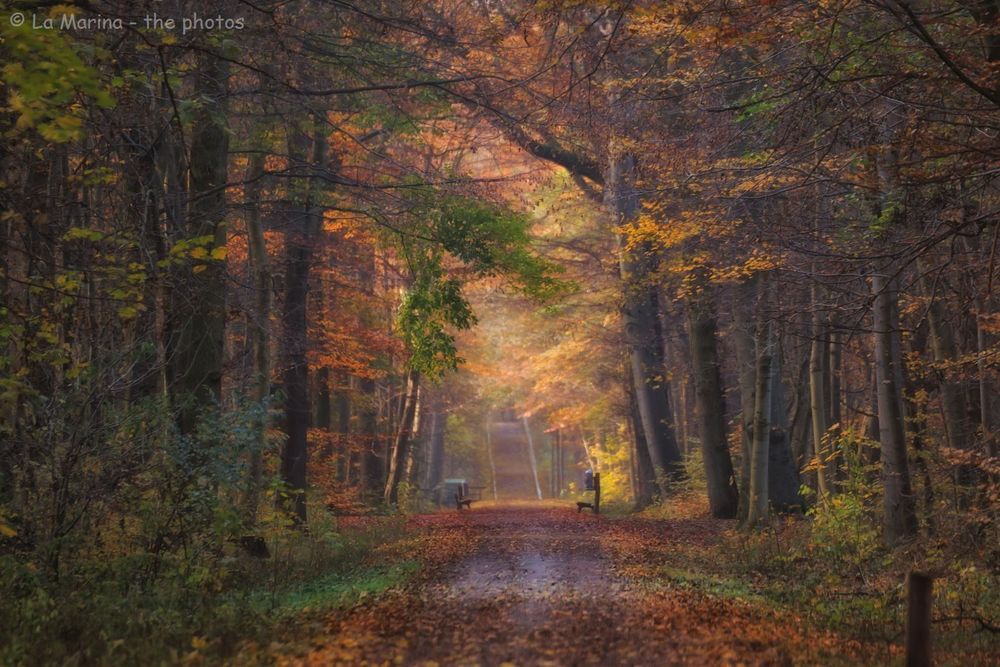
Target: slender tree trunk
x,y
899,519
489,454
723,498
757,513
401,444
260,335
435,470
743,342
372,468
818,384
835,471
531,458
987,388
324,414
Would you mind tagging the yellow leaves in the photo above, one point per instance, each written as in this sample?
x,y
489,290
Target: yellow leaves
x,y
6,530
759,260
661,234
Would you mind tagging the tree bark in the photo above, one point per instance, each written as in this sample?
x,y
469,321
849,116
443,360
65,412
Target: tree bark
x,y
723,498
260,335
782,474
640,315
743,342
199,311
899,519
646,487
758,510
372,463
955,408
818,387
435,468
303,226
401,443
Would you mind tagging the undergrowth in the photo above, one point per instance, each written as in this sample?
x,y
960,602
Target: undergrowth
x,y
109,611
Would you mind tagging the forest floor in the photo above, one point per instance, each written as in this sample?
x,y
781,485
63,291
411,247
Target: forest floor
x,y
526,584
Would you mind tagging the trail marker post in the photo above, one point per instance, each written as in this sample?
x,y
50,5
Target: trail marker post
x,y
919,588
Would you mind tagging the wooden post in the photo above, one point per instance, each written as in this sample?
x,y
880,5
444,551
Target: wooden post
x,y
597,493
919,587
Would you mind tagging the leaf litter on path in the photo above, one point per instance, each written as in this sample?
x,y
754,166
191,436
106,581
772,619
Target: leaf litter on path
x,y
545,585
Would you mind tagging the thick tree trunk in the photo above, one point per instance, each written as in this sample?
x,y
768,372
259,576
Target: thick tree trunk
x,y
199,308
723,498
955,408
782,474
758,510
401,443
899,519
645,483
303,226
641,320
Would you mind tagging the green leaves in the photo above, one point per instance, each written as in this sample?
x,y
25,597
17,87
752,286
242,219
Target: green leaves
x,y
46,76
454,235
433,305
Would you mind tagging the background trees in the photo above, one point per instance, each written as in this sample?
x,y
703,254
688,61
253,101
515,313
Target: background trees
x,y
240,266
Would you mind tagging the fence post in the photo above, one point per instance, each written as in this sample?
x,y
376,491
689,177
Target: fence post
x,y
919,587
597,493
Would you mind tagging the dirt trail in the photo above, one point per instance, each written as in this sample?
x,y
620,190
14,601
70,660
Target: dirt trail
x,y
536,588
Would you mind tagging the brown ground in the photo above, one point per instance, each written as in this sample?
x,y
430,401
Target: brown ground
x,y
537,585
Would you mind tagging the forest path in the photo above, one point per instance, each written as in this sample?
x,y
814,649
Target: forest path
x,y
537,585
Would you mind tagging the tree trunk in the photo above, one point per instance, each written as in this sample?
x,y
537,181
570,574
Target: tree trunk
x,y
531,458
640,315
435,468
401,443
199,311
782,474
899,518
372,466
303,227
818,387
743,342
757,513
324,414
260,335
646,488
723,498
959,429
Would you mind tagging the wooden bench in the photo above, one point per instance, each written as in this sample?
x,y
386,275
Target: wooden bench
x,y
475,493
596,505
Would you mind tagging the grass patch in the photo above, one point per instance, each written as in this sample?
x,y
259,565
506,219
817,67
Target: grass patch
x,y
711,584
335,590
